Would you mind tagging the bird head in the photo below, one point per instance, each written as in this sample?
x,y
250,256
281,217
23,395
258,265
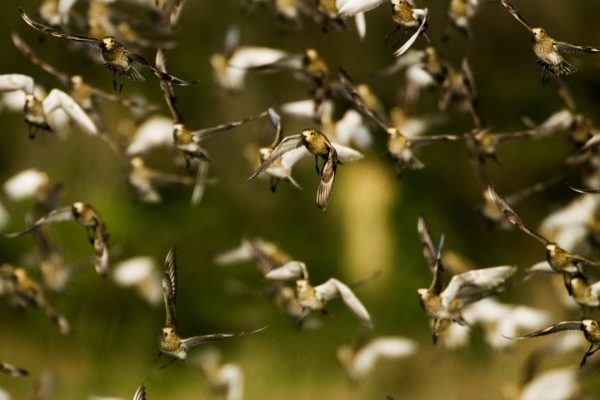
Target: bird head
x,y
136,162
309,135
110,43
538,33
590,324
78,208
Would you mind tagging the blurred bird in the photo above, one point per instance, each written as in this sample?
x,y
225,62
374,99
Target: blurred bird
x,y
484,144
547,50
87,217
32,184
359,361
226,379
460,13
117,58
25,292
316,297
142,274
459,87
584,292
265,254
140,393
45,113
170,342
11,370
56,12
589,327
156,131
143,180
399,147
317,144
559,259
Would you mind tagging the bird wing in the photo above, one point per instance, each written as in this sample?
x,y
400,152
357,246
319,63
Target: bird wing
x,y
190,342
527,134
24,48
407,45
474,285
202,134
160,74
11,82
275,120
346,153
288,271
154,132
140,393
59,100
326,183
512,216
334,288
559,327
101,250
169,283
232,40
287,144
58,215
359,101
565,47
53,32
513,11
232,377
12,370
200,182
167,88
348,8
425,140
429,249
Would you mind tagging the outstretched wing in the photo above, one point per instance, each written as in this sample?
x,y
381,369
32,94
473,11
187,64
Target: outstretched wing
x,y
101,250
167,88
429,250
474,285
275,120
382,347
190,342
59,100
160,74
58,215
565,47
11,82
12,370
360,102
202,134
407,45
348,8
289,143
334,288
53,32
513,11
169,283
288,271
512,216
559,327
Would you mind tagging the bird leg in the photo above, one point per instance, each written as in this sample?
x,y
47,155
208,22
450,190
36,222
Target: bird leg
x,y
389,35
588,353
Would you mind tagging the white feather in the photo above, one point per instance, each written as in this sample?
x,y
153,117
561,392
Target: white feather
x,y
479,278
12,82
348,8
383,347
352,129
361,25
556,384
334,288
59,100
289,271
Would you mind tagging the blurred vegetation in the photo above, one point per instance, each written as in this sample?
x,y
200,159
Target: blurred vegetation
x,y
115,340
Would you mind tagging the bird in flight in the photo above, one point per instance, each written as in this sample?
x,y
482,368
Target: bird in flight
x,y
170,342
547,50
119,59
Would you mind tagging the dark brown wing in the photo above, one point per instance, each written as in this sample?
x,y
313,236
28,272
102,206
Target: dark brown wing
x,y
512,216
565,47
53,32
287,144
24,48
360,103
167,88
202,134
327,179
429,250
12,370
559,327
160,74
169,283
425,140
513,11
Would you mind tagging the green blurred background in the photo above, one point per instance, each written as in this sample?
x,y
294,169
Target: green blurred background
x,y
370,224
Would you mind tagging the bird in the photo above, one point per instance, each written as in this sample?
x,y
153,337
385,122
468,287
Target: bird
x,y
117,57
143,180
459,88
548,50
12,370
483,143
399,147
360,360
142,274
589,327
447,303
86,216
584,292
226,379
316,297
170,342
265,254
43,113
26,292
559,259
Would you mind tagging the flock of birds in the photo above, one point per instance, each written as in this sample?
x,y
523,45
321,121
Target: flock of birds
x,y
458,297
